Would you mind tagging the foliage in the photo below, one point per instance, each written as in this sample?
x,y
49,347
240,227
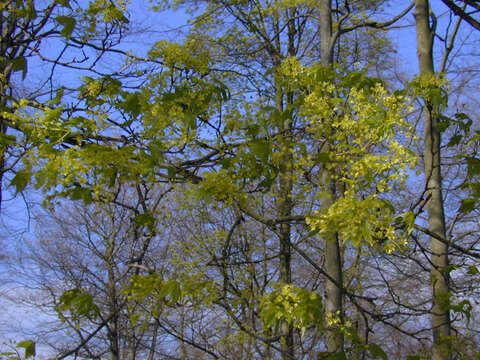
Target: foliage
x,y
270,155
29,350
296,306
78,303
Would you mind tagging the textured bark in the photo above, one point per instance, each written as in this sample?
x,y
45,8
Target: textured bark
x,y
3,130
439,278
6,25
326,37
284,208
112,326
333,293
285,192
333,260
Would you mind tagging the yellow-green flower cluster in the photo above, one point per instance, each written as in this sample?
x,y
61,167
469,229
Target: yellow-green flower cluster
x,y
356,122
295,306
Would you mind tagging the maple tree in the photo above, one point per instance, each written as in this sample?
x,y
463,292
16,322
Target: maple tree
x,y
275,126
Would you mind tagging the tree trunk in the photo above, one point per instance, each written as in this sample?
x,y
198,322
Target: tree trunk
x,y
333,260
284,208
5,71
112,327
439,278
285,192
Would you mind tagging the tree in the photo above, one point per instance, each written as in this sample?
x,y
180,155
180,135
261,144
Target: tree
x,y
439,277
463,12
434,103
292,162
26,27
279,36
85,258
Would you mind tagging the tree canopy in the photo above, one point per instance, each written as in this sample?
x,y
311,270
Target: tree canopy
x,y
265,182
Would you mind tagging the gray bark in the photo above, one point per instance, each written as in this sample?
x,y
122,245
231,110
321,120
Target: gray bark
x,y
439,279
333,260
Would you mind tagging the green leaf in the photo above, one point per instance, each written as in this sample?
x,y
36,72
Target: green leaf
x,y
11,355
313,233
473,166
21,180
322,157
464,307
68,24
438,97
454,140
443,124
328,356
173,289
267,183
473,270
31,11
110,174
145,220
80,193
58,97
6,139
20,64
377,352
221,90
253,130
464,121
78,302
29,347
388,205
156,151
448,269
226,163
132,103
462,116
172,172
190,120
261,148
467,205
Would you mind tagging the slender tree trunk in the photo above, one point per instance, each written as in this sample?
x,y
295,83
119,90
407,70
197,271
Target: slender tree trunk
x,y
151,354
113,329
333,259
333,293
5,71
3,148
439,278
326,37
183,348
285,192
284,208
267,331
130,346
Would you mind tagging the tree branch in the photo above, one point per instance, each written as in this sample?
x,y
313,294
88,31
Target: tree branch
x,y
460,12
